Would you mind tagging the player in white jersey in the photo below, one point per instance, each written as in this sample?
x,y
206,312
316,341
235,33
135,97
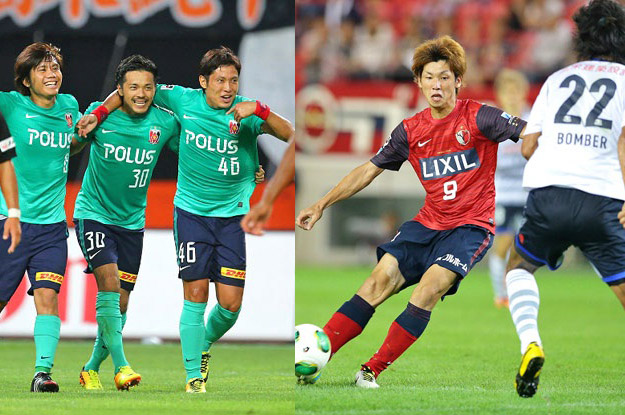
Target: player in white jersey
x,y
511,88
575,137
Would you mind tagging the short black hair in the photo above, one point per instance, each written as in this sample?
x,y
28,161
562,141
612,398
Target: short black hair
x,y
215,58
600,31
134,63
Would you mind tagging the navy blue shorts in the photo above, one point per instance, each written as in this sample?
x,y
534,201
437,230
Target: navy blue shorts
x,y
42,253
209,247
417,248
508,218
103,244
557,217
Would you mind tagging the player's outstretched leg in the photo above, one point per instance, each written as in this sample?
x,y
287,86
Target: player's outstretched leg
x,y
404,331
46,333
524,302
410,324
348,322
352,317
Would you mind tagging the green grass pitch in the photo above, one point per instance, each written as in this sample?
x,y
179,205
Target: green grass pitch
x,y
244,379
467,358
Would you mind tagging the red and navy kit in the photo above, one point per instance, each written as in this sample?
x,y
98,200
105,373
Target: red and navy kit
x,y
455,158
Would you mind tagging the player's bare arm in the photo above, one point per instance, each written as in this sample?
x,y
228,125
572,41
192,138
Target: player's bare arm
x,y
530,144
89,121
259,214
8,184
355,181
621,159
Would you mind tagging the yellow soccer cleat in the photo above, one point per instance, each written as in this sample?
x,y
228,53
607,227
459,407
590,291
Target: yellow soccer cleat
x,y
527,379
204,369
126,378
196,385
90,379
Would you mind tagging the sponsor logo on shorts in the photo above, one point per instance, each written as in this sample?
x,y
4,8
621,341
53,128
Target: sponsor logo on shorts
x,y
453,261
155,134
124,276
234,127
49,276
233,273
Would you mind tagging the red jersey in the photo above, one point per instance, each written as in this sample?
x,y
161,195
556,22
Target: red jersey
x,y
455,158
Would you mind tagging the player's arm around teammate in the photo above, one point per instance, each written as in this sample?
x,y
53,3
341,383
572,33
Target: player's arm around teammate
x,y
110,214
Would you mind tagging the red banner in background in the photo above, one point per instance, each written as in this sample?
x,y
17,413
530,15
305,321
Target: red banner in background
x,y
160,210
356,117
187,13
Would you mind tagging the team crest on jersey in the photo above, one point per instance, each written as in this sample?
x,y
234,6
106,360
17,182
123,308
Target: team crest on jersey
x,y
463,136
68,119
235,126
155,134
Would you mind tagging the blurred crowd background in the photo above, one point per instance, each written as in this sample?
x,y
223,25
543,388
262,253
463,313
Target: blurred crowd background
x,y
375,39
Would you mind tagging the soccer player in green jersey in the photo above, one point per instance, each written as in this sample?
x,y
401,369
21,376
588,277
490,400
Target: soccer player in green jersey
x,y
217,160
8,184
110,207
41,122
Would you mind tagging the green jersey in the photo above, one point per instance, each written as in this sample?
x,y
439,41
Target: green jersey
x,y
124,151
42,139
218,156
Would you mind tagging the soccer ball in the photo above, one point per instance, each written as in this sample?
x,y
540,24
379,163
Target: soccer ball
x,y
312,352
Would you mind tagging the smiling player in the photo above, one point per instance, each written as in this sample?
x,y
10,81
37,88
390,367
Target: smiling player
x,y
110,207
216,176
41,122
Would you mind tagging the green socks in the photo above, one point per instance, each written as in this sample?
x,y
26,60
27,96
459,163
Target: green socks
x,y
219,322
47,333
100,352
109,320
191,337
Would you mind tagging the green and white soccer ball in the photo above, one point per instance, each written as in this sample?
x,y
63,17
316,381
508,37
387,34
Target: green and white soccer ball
x,y
312,352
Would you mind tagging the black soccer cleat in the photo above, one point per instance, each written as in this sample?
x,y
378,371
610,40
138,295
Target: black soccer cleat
x,y
528,376
42,382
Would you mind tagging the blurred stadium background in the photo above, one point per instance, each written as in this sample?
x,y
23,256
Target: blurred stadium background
x,y
354,85
94,36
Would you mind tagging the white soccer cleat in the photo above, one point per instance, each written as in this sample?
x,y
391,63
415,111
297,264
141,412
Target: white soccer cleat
x,y
365,378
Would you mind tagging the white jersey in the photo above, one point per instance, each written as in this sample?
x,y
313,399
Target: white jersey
x,y
580,112
509,173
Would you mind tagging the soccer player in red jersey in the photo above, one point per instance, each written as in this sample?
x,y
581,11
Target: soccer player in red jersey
x,y
452,146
